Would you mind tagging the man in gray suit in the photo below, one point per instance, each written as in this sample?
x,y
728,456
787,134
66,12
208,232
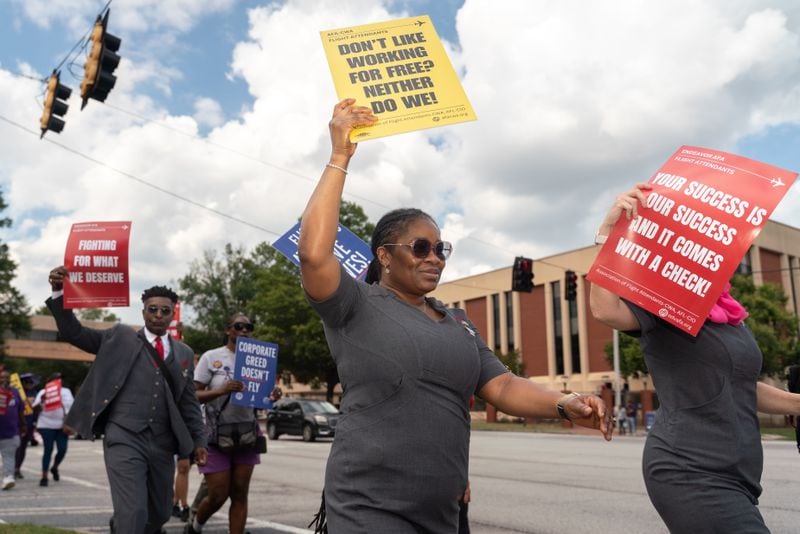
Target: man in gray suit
x,y
139,394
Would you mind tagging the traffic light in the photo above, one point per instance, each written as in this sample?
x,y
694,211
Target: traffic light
x,y
522,275
98,79
54,105
570,285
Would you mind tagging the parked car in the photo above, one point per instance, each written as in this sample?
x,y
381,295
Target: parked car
x,y
301,417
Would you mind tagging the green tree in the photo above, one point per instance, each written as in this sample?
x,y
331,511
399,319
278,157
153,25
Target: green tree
x,y
216,288
512,361
266,286
631,359
774,327
14,308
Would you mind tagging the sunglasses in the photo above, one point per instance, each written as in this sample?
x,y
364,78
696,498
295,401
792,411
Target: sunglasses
x,y
421,247
238,326
165,310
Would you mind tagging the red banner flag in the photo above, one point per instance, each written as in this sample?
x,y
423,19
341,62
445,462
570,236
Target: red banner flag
x,y
704,211
173,325
97,260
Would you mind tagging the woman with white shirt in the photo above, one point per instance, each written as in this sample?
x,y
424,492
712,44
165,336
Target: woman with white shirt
x,y
54,401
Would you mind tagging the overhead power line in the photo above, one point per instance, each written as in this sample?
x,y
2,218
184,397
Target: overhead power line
x,y
141,180
240,154
281,168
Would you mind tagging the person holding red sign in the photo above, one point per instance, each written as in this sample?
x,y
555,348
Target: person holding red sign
x,y
54,401
408,366
139,395
703,457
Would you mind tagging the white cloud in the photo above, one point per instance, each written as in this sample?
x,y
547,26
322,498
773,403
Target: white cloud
x,y
575,102
131,15
208,112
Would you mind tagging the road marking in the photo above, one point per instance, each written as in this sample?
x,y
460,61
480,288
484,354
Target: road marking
x,y
276,526
85,483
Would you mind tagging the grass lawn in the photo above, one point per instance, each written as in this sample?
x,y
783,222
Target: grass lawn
x,y
27,528
554,427
778,432
550,427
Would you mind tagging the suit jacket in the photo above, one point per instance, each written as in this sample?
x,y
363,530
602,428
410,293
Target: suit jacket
x,y
116,350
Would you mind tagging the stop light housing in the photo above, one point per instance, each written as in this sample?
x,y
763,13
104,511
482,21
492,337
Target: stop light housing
x,y
570,285
98,77
55,106
522,274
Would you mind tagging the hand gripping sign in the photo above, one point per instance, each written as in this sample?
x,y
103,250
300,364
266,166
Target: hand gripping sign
x,y
97,260
256,365
705,209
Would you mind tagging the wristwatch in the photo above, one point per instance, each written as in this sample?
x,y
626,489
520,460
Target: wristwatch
x,y
562,413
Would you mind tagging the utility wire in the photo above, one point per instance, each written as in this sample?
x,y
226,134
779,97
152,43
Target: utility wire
x,y
81,42
140,180
286,170
232,151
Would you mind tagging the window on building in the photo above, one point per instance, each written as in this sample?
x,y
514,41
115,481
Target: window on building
x,y
574,336
510,320
746,266
496,320
558,338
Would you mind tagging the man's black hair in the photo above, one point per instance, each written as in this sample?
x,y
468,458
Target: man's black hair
x,y
159,291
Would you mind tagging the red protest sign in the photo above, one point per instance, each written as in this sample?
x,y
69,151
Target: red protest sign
x,y
703,212
52,395
97,260
173,325
6,397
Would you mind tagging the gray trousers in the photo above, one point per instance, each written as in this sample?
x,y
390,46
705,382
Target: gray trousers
x,y
8,450
140,468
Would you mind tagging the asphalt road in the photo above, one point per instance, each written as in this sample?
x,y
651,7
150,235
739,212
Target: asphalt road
x,y
521,483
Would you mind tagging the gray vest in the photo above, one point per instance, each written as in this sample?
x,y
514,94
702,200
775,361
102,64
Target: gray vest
x,y
142,402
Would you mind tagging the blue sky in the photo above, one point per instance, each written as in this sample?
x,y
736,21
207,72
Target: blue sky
x,y
201,54
224,103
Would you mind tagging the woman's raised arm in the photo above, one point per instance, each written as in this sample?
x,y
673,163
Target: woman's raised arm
x,y
318,266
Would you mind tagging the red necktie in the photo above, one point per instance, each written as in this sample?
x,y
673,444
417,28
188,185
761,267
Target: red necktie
x,y
159,347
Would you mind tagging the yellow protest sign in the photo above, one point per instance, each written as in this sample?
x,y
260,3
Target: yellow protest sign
x,y
398,68
16,383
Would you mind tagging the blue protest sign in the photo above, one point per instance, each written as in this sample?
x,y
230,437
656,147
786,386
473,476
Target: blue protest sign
x,y
256,366
349,249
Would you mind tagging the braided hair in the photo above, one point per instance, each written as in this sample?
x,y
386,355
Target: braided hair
x,y
387,230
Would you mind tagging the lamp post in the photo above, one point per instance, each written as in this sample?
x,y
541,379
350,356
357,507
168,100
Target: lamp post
x,y
564,380
617,392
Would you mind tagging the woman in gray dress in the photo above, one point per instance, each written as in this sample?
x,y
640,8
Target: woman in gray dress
x,y
703,457
408,366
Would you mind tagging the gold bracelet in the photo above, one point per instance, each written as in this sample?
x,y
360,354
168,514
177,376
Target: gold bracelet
x,y
332,166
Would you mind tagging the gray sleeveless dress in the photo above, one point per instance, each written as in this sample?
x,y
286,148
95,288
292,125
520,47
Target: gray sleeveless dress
x,y
703,458
399,460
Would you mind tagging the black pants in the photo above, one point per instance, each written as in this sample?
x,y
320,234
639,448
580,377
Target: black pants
x,y
463,520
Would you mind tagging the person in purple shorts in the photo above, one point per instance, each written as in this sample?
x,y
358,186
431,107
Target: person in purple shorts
x,y
227,474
